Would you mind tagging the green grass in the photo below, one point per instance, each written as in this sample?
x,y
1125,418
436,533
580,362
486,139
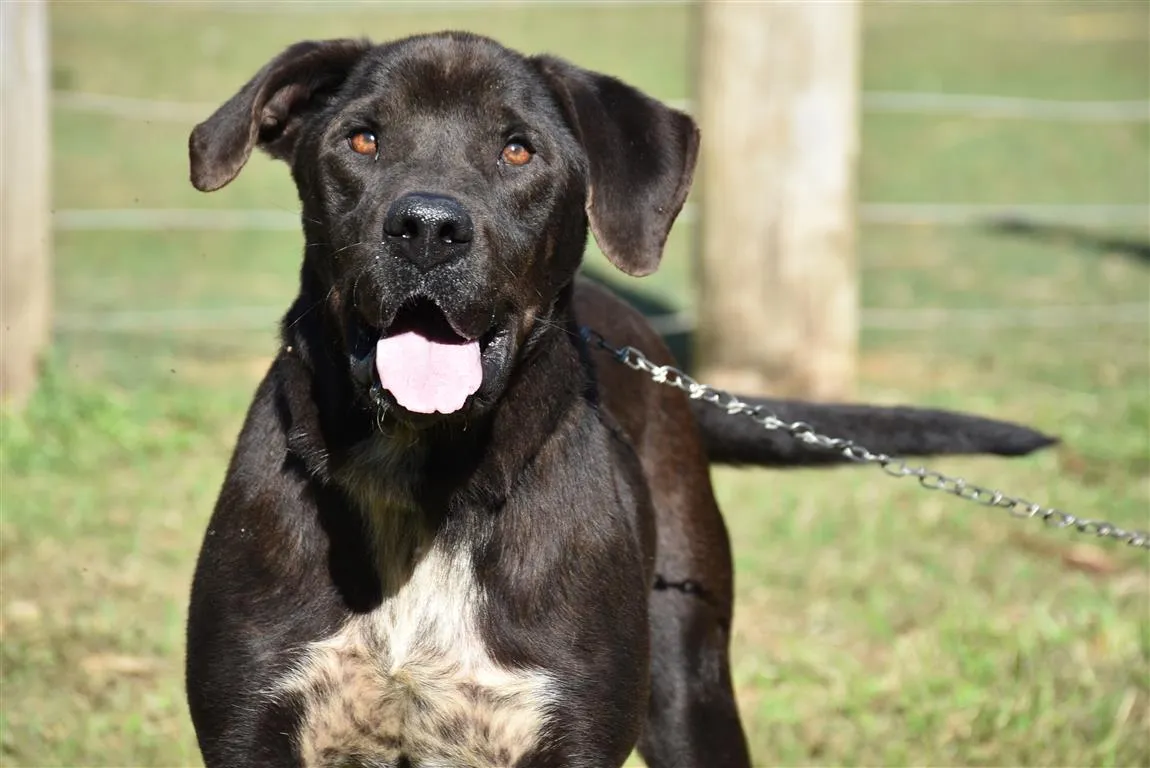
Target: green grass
x,y
876,623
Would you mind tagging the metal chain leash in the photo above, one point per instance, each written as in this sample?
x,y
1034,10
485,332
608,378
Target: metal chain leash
x,y
893,466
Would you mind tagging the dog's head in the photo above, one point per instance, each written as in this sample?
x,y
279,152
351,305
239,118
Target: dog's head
x,y
447,184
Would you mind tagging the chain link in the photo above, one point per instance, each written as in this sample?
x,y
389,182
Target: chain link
x,y
1016,506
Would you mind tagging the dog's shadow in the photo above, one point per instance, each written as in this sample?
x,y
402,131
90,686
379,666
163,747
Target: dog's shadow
x,y
680,341
1099,242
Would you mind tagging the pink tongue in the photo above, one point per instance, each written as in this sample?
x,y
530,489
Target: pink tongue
x,y
426,376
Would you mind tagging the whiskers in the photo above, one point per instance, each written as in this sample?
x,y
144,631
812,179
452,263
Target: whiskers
x,y
337,251
544,320
331,290
298,212
308,311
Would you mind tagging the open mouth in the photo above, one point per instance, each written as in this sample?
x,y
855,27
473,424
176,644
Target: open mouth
x,y
425,364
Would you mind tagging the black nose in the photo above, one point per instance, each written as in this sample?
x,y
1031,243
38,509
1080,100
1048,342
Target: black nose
x,y
428,229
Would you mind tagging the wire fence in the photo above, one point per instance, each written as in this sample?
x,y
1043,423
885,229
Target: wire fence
x,y
883,319
1006,107
901,102
1089,214
939,214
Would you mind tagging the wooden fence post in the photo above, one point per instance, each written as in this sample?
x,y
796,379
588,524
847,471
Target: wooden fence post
x,y
778,290
25,203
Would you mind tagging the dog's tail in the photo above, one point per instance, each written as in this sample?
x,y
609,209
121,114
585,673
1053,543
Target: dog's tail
x,y
896,431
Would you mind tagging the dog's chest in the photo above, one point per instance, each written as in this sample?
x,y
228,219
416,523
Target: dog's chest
x,y
413,681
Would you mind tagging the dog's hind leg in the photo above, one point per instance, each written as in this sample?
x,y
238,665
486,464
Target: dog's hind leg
x,y
693,719
692,716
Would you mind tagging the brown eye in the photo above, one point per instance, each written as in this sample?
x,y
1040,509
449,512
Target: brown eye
x,y
517,153
364,143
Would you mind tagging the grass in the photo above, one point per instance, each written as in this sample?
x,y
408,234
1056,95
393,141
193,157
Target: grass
x,y
876,623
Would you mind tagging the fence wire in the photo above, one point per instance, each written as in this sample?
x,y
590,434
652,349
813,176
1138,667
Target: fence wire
x,y
985,106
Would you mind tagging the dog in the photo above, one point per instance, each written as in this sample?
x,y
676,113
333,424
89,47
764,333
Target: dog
x,y
452,533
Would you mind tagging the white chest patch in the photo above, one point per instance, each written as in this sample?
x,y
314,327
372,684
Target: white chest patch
x,y
413,680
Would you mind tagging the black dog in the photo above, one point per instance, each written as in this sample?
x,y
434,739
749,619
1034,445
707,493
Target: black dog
x,y
451,534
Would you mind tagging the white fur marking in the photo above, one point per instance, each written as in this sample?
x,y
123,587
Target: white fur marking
x,y
414,679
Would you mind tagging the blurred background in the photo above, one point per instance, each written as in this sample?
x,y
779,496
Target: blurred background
x,y
1003,258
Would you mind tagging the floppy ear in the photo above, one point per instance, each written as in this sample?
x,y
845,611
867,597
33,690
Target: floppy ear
x,y
641,155
268,110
